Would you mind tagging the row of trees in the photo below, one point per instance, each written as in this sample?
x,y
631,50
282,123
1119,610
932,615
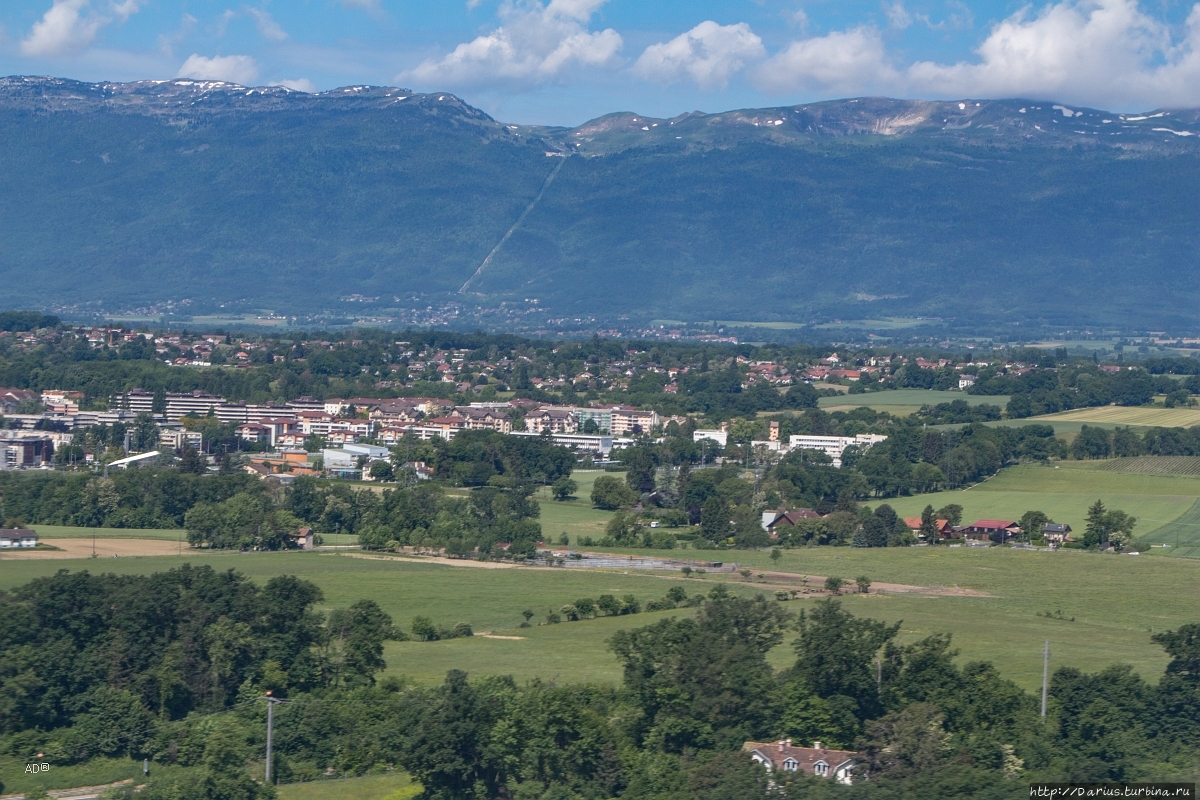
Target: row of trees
x,y
1093,442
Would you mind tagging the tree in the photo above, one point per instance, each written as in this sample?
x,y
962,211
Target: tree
x,y
1096,531
835,654
191,462
382,471
929,529
611,493
906,742
564,488
952,513
639,469
834,584
1032,524
704,681
776,554
863,583
714,519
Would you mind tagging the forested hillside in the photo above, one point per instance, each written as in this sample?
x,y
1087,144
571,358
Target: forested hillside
x,y
114,195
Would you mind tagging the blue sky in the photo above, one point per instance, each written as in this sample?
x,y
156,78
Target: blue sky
x,y
565,61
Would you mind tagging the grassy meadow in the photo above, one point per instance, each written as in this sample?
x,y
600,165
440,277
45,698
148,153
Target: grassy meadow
x,y
1064,490
902,402
392,786
1120,415
67,532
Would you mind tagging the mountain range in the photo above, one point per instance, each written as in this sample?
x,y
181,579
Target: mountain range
x,y
115,195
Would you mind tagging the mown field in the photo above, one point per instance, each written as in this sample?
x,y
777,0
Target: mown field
x,y
1155,465
901,402
1064,491
67,532
1119,415
393,786
1116,601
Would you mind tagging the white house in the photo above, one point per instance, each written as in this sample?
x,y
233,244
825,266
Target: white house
x,y
18,537
782,756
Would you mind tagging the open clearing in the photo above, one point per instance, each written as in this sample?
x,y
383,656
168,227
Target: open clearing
x,y
1155,465
66,532
901,402
1120,415
1064,491
1116,600
392,786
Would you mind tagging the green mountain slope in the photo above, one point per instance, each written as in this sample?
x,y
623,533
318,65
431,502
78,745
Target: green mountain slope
x,y
122,194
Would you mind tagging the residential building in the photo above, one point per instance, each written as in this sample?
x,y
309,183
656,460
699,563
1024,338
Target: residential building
x,y
581,442
555,420
25,452
834,446
18,537
966,381
483,419
994,529
720,437
783,756
626,421
944,529
1056,532
786,519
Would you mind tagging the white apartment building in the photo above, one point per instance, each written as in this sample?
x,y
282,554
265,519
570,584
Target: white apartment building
x,y
834,446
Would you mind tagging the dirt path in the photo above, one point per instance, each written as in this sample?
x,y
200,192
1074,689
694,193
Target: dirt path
x,y
105,548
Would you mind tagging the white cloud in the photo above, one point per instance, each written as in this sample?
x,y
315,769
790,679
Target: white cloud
x,y
126,9
299,85
708,54
842,62
267,26
1097,52
167,42
68,27
235,69
898,16
1104,53
535,43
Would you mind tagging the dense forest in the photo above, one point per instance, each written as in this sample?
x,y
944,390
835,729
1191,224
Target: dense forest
x,y
173,666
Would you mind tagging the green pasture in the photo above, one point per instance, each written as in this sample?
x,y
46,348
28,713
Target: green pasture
x,y
1121,415
1116,600
885,324
67,532
575,517
392,786
1064,491
95,772
912,398
1181,535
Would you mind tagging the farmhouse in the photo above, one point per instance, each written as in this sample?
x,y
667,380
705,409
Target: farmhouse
x,y
944,528
18,537
782,756
775,521
999,530
1057,532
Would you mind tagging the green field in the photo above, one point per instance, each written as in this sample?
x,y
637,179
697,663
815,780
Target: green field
x,y
66,532
1064,491
1120,415
1182,535
1155,465
912,398
1116,600
393,786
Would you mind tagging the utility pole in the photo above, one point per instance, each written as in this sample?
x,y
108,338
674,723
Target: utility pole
x,y
1045,674
271,701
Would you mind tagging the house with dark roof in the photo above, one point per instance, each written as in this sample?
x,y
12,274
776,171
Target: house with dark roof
x,y
783,756
997,530
1056,532
775,521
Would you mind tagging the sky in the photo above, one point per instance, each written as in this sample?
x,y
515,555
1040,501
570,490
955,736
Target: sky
x,y
566,61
